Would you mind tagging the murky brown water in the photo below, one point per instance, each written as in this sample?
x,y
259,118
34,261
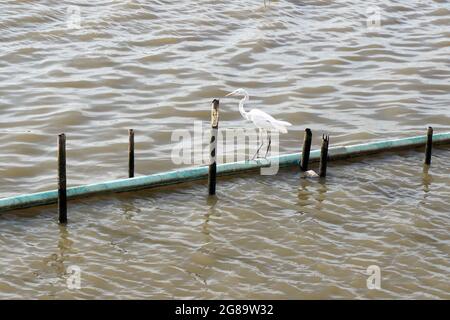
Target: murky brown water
x,y
155,66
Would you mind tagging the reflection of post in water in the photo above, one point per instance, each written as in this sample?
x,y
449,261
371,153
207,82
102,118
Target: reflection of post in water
x,y
211,202
426,180
304,196
200,262
129,209
321,194
311,193
64,243
56,260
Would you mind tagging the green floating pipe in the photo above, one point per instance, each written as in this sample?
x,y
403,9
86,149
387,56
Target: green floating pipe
x,y
190,174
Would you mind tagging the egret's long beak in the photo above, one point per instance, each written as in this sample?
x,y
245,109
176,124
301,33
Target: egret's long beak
x,y
230,94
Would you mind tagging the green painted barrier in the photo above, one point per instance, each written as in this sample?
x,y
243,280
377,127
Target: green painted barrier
x,y
191,174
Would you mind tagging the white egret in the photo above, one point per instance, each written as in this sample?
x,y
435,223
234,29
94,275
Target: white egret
x,y
263,121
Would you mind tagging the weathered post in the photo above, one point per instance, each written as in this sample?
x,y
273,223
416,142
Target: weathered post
x,y
62,184
130,153
429,146
213,147
306,150
324,156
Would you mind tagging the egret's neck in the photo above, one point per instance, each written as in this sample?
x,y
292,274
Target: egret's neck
x,y
241,106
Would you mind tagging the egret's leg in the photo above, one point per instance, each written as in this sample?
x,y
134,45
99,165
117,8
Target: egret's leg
x,y
268,146
259,148
262,143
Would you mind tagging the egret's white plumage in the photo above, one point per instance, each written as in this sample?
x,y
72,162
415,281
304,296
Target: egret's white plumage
x,y
262,120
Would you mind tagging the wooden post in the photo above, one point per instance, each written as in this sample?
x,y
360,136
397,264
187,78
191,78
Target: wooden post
x,y
130,153
306,150
62,184
429,146
324,156
213,147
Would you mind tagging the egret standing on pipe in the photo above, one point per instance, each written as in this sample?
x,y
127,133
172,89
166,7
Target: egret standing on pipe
x,y
263,121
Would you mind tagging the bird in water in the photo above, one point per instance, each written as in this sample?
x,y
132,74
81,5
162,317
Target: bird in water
x,y
263,121
310,174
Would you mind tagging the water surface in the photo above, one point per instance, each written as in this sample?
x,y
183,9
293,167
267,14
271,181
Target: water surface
x,y
155,66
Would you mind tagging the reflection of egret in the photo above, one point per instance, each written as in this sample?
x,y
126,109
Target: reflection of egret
x,y
263,121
